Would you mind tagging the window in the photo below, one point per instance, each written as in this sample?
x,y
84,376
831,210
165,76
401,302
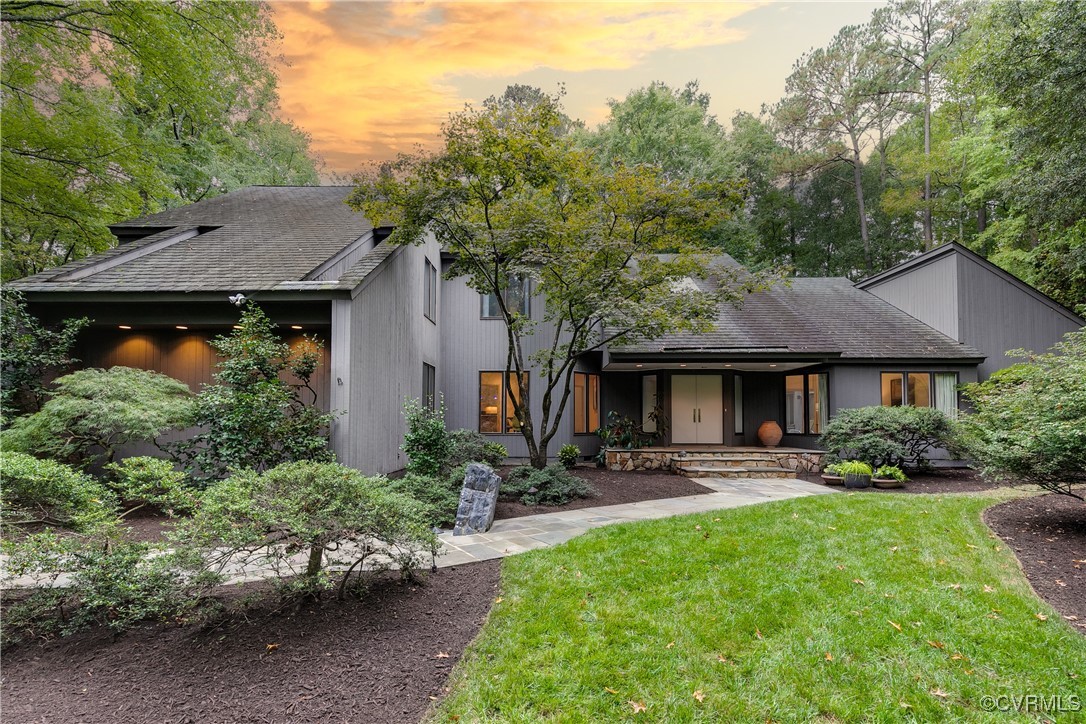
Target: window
x,y
429,386
430,283
738,397
648,403
806,404
922,389
516,295
586,403
496,413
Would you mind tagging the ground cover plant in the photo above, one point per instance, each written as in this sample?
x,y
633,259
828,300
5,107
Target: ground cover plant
x,y
905,607
553,485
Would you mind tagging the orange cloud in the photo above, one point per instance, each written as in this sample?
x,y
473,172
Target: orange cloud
x,y
368,80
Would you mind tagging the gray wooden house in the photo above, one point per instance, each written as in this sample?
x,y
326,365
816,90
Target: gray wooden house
x,y
394,329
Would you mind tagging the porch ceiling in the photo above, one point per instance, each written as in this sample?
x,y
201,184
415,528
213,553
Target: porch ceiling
x,y
648,366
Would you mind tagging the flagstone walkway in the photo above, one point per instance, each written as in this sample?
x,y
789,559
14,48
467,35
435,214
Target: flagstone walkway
x,y
517,535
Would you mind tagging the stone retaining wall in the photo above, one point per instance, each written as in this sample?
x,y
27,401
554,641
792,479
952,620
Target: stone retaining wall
x,y
654,459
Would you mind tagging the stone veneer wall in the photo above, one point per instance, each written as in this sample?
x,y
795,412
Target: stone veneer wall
x,y
649,459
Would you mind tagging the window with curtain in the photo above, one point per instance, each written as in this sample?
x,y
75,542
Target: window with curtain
x,y
586,403
516,295
496,412
793,404
921,389
946,393
818,412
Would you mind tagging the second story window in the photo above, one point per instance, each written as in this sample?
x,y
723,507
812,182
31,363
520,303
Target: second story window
x,y
516,296
430,299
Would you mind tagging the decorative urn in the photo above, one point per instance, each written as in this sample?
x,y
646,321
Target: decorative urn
x,y
769,433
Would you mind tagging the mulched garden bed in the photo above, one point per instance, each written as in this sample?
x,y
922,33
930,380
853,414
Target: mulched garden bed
x,y
1048,534
382,658
614,488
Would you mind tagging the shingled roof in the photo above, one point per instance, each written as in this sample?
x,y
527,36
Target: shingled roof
x,y
811,317
256,238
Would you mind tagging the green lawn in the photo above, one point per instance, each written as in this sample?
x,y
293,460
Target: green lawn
x,y
835,607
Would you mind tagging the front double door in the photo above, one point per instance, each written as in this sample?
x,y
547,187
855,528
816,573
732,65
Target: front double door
x,y
697,409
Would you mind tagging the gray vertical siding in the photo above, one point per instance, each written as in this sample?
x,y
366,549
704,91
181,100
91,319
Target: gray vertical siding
x,y
471,345
390,339
929,293
997,315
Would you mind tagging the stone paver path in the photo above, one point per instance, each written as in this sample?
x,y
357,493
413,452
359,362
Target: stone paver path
x,y
517,535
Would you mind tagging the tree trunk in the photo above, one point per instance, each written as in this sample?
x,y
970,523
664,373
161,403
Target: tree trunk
x,y
982,218
316,555
928,235
858,180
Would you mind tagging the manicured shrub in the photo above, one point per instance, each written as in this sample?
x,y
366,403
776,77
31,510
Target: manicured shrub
x,y
143,481
426,441
303,519
45,492
1029,422
468,446
568,454
440,494
92,412
877,435
553,485
253,418
108,581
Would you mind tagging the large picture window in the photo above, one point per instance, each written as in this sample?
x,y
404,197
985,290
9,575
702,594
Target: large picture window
x,y
496,412
921,389
516,295
586,403
806,404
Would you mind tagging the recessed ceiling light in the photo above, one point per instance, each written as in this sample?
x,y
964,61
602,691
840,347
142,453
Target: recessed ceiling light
x,y
639,365
772,365
682,365
295,326
181,326
123,326
237,326
727,365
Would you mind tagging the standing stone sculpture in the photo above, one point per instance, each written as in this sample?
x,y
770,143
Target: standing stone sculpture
x,y
478,500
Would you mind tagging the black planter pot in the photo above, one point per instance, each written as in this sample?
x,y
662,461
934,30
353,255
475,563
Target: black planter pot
x,y
857,481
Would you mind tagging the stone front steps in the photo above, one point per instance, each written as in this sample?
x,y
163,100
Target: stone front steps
x,y
731,465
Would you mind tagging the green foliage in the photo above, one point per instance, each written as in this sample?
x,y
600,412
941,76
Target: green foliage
x,y
879,435
625,432
833,469
142,481
115,110
553,485
47,492
107,581
512,195
252,417
304,519
1029,420
853,467
568,454
441,495
426,441
93,411
890,472
30,352
469,446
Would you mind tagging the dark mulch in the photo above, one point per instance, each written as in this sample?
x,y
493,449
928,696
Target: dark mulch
x,y
614,488
147,525
1048,534
377,659
941,480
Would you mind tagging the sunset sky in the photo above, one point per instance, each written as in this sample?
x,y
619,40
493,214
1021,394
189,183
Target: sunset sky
x,y
370,79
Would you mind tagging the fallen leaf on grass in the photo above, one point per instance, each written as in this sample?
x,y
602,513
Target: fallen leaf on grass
x,y
958,657
955,586
939,693
989,589
441,655
638,706
271,647
697,527
609,690
936,644
758,633
670,645
829,656
893,549
840,568
1040,617
699,695
895,625
857,580
1071,618
499,599
904,705
720,659
831,527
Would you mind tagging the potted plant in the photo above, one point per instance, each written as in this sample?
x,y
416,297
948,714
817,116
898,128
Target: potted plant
x,y
888,476
857,474
831,475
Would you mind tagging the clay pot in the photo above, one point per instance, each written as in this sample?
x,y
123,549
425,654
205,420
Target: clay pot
x,y
833,480
769,433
